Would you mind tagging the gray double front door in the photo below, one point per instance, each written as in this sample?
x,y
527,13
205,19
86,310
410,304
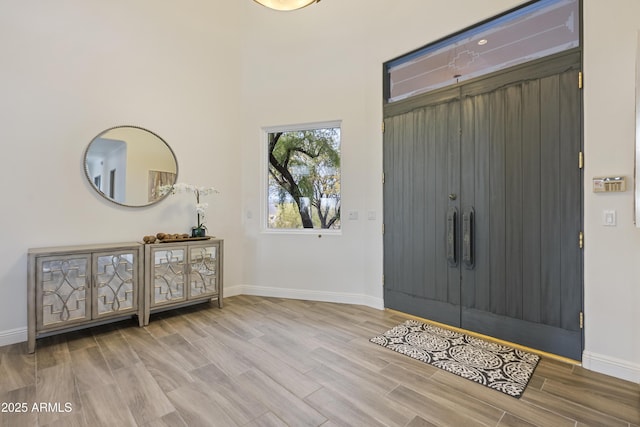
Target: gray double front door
x,y
483,206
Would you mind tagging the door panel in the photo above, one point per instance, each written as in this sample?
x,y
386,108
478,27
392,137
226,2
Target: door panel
x,y
513,209
421,149
476,179
495,194
531,196
508,152
550,200
529,213
116,283
571,203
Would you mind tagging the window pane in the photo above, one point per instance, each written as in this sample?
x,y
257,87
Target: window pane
x,y
535,31
304,179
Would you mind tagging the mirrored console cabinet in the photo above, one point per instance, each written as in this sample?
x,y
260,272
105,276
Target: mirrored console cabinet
x,y
74,287
182,273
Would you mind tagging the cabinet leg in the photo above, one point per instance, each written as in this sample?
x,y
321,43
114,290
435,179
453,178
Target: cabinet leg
x,y
31,345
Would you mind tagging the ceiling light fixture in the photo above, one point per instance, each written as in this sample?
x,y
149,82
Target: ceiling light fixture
x,y
285,5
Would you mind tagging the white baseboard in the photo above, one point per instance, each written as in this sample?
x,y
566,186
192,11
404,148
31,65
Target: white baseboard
x,y
13,336
611,366
339,297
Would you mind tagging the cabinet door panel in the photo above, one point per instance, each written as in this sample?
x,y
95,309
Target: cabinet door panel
x,y
115,283
203,266
62,291
168,276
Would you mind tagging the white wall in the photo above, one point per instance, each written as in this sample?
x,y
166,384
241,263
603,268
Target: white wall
x,y
323,63
612,254
208,75
73,68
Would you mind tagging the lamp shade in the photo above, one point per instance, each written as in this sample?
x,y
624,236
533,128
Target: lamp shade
x,y
286,4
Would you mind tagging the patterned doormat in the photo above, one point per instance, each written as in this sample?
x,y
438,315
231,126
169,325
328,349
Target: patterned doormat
x,y
494,365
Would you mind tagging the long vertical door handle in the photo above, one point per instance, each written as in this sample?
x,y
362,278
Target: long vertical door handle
x,y
467,237
452,218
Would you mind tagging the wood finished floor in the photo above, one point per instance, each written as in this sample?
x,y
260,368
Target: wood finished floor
x,y
275,362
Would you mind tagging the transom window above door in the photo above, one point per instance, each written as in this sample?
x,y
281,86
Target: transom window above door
x,y
534,31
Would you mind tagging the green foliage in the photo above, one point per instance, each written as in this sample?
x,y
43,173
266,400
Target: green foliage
x,y
286,216
304,169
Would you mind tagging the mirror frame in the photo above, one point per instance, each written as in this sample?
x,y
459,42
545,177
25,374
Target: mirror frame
x,y
90,179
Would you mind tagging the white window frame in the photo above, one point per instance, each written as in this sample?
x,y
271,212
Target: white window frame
x,y
264,181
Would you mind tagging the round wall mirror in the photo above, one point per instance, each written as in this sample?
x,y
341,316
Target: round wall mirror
x,y
128,165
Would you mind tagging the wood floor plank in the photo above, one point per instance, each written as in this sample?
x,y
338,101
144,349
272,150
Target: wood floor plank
x,y
569,409
57,385
210,374
440,406
624,391
21,416
318,326
17,367
197,408
159,327
182,324
305,328
355,372
187,355
145,398
285,349
294,381
273,366
52,351
519,407
377,405
227,359
339,411
75,419
296,335
593,397
331,314
420,422
82,339
509,420
247,312
239,405
245,328
267,420
116,350
90,368
368,354
278,362
410,376
165,369
170,420
536,382
615,383
104,406
289,408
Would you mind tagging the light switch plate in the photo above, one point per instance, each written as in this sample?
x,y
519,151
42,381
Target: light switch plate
x,y
609,218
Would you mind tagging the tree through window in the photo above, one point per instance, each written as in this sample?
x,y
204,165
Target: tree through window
x,y
304,178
